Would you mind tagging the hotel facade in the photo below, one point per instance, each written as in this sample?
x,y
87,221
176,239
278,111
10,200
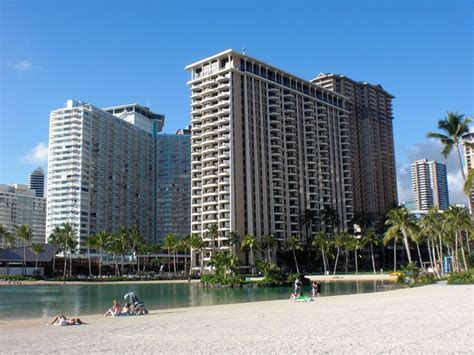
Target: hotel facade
x,y
101,170
372,147
267,149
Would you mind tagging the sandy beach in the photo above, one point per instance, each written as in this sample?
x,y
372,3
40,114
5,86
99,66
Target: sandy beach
x,y
431,319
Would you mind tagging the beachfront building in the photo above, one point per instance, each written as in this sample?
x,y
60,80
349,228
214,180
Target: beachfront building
x,y
101,168
469,160
36,181
173,183
429,184
372,147
268,149
19,205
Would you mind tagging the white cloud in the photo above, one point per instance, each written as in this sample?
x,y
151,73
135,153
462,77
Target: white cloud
x,y
430,150
38,155
23,65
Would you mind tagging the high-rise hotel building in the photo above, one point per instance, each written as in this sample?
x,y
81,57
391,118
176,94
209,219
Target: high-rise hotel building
x,y
372,147
267,148
173,183
469,160
101,168
430,185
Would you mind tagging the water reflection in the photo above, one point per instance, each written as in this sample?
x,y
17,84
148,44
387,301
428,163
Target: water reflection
x,y
75,300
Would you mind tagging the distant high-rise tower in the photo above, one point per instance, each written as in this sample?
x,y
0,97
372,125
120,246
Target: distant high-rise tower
x,y
430,184
36,182
469,157
372,148
173,184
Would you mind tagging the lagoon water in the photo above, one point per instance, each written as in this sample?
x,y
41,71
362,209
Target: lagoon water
x,y
26,302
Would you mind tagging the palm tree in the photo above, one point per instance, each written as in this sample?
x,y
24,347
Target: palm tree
x,y
293,244
37,249
321,241
124,237
394,235
371,239
250,243
234,241
90,242
340,241
135,240
430,226
9,240
23,233
55,240
196,243
268,242
458,220
354,244
169,243
3,231
213,233
102,240
400,220
66,233
453,127
72,244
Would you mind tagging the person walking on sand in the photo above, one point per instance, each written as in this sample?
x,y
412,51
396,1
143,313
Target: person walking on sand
x,y
314,289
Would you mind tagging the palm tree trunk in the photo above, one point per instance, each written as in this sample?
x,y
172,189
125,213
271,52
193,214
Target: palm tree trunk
x,y
296,262
100,263
372,255
24,257
335,262
462,253
65,260
89,257
356,264
440,254
467,243
251,260
70,264
407,246
174,262
428,247
185,261
324,260
346,254
394,255
169,262
419,254
456,251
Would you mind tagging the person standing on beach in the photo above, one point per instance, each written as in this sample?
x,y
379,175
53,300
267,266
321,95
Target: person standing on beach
x,y
298,287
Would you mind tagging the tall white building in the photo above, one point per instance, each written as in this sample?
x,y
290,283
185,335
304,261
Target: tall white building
x,y
268,148
469,159
429,184
101,168
20,205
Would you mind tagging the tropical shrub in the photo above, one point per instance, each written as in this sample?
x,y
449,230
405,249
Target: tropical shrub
x,y
461,278
272,274
219,280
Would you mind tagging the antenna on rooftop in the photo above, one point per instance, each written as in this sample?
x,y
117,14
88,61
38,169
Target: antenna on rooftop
x,y
244,50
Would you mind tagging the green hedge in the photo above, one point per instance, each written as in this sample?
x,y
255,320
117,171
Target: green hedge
x,y
461,278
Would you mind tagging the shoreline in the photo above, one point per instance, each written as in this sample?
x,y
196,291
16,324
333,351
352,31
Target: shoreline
x,y
342,277
433,318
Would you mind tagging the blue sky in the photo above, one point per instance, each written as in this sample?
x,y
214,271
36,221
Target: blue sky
x,y
116,52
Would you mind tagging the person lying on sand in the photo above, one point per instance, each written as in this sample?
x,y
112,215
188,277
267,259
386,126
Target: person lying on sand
x,y
115,310
61,320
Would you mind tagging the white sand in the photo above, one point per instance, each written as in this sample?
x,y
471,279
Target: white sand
x,y
431,319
